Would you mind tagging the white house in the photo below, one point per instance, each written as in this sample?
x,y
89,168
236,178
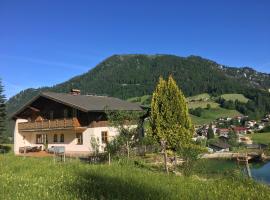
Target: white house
x,y
69,120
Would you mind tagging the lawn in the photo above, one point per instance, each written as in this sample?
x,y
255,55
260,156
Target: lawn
x,y
202,104
261,138
233,97
39,178
212,114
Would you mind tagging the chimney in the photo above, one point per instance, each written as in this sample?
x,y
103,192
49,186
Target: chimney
x,y
75,92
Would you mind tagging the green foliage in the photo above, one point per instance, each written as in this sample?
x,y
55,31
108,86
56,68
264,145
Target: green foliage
x,y
210,132
233,138
129,125
190,153
169,119
2,110
197,111
94,142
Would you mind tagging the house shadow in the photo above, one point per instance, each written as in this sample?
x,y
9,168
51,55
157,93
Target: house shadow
x,y
90,185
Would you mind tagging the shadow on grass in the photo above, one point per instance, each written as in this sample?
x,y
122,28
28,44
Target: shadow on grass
x,y
5,148
98,186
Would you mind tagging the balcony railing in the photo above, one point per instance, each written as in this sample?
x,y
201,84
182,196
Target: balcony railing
x,y
49,125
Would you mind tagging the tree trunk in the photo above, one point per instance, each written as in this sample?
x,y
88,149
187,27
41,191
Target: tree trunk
x,y
163,143
127,149
165,161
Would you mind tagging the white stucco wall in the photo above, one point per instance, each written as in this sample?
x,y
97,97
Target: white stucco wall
x,y
70,141
19,140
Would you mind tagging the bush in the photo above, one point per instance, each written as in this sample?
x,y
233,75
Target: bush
x,y
190,153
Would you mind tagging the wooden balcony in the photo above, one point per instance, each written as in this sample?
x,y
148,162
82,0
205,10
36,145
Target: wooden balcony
x,y
46,125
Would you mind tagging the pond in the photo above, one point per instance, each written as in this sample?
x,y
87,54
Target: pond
x,y
261,172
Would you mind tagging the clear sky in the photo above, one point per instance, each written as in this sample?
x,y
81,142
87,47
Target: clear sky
x,y
45,42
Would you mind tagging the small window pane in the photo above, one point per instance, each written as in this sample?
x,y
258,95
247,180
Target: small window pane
x,y
62,138
55,138
79,138
104,137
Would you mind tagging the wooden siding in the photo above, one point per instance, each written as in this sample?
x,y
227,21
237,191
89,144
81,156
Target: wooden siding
x,y
49,125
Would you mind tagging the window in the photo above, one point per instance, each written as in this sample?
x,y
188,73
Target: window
x,y
65,113
104,137
79,138
39,139
62,138
55,138
51,115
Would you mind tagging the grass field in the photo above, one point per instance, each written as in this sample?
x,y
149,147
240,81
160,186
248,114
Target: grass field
x,y
202,104
143,100
203,96
233,97
261,138
212,114
39,178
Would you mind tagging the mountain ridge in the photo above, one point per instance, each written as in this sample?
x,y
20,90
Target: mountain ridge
x,y
129,75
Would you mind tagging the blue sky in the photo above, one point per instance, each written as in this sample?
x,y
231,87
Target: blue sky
x,y
45,42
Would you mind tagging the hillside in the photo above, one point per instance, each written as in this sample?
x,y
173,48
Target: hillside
x,y
202,101
127,76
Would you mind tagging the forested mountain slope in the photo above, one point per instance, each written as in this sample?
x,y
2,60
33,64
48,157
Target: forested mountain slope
x,y
127,76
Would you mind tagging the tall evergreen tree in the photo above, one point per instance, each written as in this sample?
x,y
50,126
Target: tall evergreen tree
x,y
210,132
170,120
2,109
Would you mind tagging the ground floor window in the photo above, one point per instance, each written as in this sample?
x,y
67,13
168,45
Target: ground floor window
x,y
79,138
55,138
62,138
104,137
40,138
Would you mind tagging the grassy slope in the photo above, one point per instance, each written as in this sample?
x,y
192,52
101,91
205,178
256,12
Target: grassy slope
x,y
202,104
203,96
261,138
33,178
233,97
142,100
202,100
212,114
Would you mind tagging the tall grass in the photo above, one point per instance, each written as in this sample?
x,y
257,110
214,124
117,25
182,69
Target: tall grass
x,y
40,178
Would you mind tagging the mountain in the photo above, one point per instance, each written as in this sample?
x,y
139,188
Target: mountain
x,y
127,76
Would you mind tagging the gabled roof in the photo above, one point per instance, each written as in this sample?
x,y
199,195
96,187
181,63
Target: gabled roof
x,y
220,144
86,103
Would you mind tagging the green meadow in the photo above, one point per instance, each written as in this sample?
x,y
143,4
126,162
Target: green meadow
x,y
212,114
39,178
234,97
261,138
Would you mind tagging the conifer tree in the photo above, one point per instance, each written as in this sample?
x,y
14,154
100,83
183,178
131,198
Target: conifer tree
x,y
170,121
210,132
2,109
